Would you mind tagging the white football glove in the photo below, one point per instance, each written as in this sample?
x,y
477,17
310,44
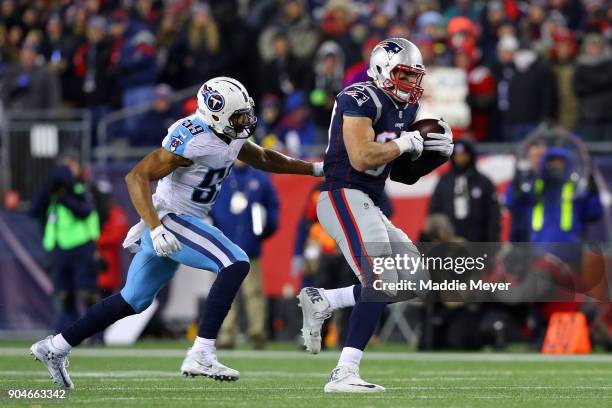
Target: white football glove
x,y
164,242
411,143
317,169
440,142
131,242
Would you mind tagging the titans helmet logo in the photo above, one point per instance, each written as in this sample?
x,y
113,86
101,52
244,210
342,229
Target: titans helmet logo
x,y
214,100
391,47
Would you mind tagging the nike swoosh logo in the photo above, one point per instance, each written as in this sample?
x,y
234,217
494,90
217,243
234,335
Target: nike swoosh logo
x,y
364,385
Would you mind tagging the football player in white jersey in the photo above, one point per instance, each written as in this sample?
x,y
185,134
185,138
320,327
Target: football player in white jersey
x,y
196,156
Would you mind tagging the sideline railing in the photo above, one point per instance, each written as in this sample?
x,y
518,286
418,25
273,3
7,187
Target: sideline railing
x,y
106,149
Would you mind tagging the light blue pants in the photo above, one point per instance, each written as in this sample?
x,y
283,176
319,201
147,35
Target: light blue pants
x,y
202,246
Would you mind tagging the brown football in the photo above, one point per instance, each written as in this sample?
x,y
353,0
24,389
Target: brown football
x,y
426,126
407,171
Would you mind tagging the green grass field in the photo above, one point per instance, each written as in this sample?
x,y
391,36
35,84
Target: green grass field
x,y
147,376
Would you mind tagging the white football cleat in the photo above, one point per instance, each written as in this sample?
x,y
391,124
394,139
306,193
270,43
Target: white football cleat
x,y
207,365
315,310
55,360
345,378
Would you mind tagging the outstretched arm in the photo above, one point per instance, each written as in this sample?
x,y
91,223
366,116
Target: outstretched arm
x,y
273,161
154,166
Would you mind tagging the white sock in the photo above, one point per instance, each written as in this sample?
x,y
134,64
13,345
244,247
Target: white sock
x,y
59,342
203,345
340,298
350,355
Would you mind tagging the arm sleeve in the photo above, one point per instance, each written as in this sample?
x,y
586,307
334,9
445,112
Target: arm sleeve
x,y
406,171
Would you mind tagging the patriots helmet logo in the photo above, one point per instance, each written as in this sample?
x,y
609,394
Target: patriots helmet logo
x,y
359,96
214,100
391,47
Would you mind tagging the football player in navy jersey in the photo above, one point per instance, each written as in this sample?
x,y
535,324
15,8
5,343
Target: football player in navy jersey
x,y
368,130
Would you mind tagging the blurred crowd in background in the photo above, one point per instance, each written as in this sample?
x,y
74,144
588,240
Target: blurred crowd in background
x,y
496,69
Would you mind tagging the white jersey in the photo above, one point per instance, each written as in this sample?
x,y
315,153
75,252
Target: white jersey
x,y
193,190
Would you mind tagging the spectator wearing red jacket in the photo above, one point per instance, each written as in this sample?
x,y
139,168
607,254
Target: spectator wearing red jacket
x,y
114,225
481,91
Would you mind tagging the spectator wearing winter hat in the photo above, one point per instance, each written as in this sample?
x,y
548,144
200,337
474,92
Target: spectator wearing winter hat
x,y
467,197
573,12
593,86
526,108
297,129
137,73
58,48
266,133
481,90
198,53
562,55
30,85
153,125
432,25
503,71
358,71
284,73
302,35
464,8
95,71
493,16
327,82
337,17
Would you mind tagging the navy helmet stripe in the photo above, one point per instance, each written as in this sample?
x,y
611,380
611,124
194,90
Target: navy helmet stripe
x,y
233,83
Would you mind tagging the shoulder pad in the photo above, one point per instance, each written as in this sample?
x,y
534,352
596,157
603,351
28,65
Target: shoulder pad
x,y
180,133
360,99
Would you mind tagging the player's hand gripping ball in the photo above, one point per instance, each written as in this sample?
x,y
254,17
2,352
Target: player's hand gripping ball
x,y
437,148
438,136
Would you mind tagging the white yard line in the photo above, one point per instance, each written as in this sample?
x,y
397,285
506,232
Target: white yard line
x,y
281,355
157,374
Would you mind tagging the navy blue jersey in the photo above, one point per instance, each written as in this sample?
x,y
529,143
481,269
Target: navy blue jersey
x,y
389,118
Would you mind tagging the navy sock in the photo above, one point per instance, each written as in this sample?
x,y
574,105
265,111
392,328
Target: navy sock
x,y
220,298
307,281
357,292
99,317
364,319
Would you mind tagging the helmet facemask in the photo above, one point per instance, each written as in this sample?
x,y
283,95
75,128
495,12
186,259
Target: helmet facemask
x,y
243,123
404,83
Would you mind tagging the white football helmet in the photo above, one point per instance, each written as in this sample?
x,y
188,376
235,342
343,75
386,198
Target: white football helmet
x,y
396,66
227,108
